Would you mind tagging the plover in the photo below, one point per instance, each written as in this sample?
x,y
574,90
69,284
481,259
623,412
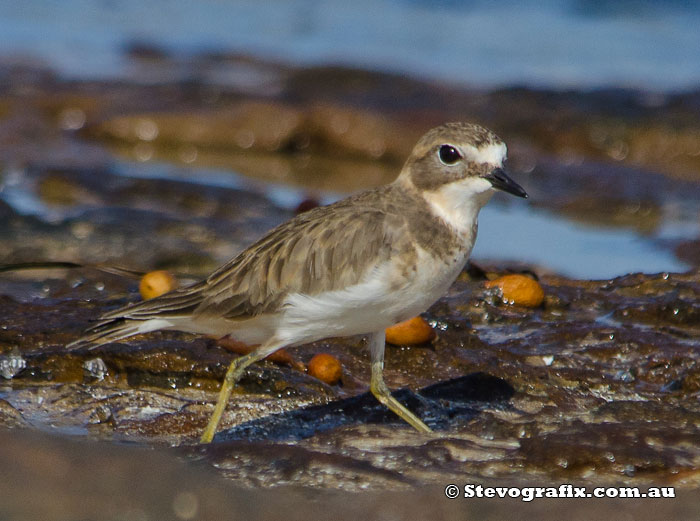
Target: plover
x,y
354,267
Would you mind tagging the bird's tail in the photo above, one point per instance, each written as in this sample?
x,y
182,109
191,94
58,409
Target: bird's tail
x,y
116,329
158,313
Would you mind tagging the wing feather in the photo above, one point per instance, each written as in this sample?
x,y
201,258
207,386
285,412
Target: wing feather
x,y
325,249
310,254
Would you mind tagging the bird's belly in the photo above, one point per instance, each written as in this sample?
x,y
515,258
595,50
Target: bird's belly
x,y
430,283
389,295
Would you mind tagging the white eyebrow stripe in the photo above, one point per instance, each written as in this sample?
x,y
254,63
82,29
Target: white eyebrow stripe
x,y
492,154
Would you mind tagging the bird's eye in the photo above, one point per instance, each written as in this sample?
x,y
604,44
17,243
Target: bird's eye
x,y
449,155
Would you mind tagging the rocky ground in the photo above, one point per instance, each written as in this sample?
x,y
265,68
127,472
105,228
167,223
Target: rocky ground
x,y
598,386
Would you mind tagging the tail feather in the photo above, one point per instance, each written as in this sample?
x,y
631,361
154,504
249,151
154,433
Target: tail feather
x,y
105,333
175,303
140,318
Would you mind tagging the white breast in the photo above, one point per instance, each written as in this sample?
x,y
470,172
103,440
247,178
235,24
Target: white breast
x,y
386,296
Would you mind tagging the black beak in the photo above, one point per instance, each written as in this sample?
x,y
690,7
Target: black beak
x,y
500,180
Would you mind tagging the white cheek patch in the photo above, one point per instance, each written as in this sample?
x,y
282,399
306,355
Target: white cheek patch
x,y
493,154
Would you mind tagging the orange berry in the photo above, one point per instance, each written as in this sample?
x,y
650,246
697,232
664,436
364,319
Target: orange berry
x,y
155,283
519,290
326,368
410,332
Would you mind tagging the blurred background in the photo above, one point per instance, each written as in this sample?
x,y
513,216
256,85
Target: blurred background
x,y
171,134
575,44
598,101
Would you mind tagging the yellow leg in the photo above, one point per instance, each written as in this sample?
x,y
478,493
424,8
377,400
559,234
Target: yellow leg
x,y
233,374
381,391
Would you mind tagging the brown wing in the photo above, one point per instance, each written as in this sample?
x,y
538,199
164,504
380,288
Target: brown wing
x,y
325,249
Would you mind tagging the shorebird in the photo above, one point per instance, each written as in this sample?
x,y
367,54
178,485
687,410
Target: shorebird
x,y
354,267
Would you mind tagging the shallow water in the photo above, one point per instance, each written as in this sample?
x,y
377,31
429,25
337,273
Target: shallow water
x,y
636,43
523,234
512,232
515,232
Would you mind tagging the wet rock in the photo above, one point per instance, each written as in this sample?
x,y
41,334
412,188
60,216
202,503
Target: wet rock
x,y
87,476
95,368
57,190
598,386
12,364
689,251
247,125
325,127
443,403
200,227
289,465
361,133
476,387
142,50
562,417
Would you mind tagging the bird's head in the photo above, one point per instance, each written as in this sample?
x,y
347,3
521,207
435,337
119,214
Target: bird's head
x,y
463,157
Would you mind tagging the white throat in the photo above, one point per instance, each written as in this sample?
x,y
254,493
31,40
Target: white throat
x,y
458,203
